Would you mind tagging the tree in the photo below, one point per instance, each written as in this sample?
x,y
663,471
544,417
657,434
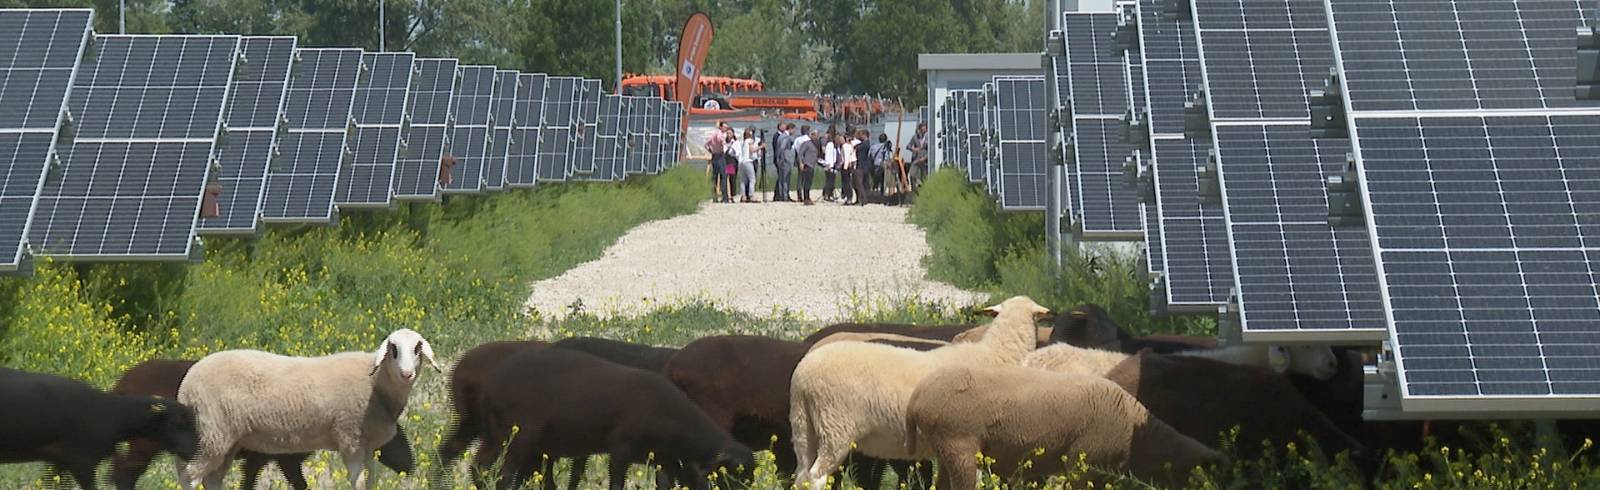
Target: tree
x,y
885,44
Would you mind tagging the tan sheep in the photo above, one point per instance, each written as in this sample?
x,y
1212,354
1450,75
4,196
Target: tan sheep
x,y
856,392
1010,413
880,338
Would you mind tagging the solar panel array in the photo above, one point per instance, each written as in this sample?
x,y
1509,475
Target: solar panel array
x,y
557,137
1448,205
1023,155
130,147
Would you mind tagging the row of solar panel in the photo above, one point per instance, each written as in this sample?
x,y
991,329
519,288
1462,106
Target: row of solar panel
x,y
1438,192
126,147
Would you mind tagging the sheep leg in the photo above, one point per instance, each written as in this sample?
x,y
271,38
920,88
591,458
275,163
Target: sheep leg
x,y
396,454
210,465
617,469
127,468
958,464
804,436
82,471
289,465
253,462
357,464
830,452
580,466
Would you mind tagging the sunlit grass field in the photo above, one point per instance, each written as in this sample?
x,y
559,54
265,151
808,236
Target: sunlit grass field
x,y
458,273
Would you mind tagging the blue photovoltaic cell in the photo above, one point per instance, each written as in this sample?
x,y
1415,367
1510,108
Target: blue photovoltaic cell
x,y
505,95
1107,203
634,115
607,155
473,104
1488,230
433,86
586,116
39,52
522,157
254,103
1458,55
147,111
1094,68
302,180
1262,58
556,137
1295,272
379,111
1172,66
1024,156
1198,272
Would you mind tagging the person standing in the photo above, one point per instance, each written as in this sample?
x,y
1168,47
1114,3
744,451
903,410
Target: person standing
x,y
749,150
730,163
919,156
805,157
783,161
847,171
861,173
716,146
830,162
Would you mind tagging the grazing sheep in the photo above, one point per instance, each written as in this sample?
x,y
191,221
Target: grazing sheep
x,y
72,427
1182,391
637,356
896,340
931,332
856,392
268,403
1042,337
1010,412
566,403
742,383
160,378
1314,361
466,384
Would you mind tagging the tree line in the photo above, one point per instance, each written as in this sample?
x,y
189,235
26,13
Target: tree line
x,y
834,46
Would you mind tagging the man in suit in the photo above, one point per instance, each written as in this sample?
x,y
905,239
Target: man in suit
x,y
860,175
806,157
782,161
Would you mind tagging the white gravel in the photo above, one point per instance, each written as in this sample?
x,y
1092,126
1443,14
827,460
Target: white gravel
x,y
817,261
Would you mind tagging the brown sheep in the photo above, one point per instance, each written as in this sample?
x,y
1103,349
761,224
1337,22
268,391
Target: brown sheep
x,y
1012,413
1091,327
881,338
742,383
1183,391
466,384
933,332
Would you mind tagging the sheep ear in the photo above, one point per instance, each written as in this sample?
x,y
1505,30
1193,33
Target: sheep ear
x,y
1278,359
427,351
377,361
990,311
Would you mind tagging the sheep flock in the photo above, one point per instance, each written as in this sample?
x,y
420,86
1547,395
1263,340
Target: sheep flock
x,y
1030,394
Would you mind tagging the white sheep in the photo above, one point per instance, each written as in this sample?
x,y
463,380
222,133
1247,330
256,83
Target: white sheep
x,y
856,392
268,403
881,338
1315,361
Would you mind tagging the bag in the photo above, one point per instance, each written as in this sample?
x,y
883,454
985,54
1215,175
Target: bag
x,y
730,169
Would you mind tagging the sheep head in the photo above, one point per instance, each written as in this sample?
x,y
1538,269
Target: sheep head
x,y
406,347
1311,360
1019,305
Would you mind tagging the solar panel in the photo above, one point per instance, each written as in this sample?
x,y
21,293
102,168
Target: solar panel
x,y
652,128
302,179
1139,100
977,169
1105,204
255,102
1458,55
675,116
586,118
607,153
1185,239
505,96
556,136
1298,278
434,82
1479,195
147,110
522,156
1023,156
991,144
45,48
469,139
634,159
379,113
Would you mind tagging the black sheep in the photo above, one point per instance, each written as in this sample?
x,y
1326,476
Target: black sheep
x,y
565,403
1091,327
933,332
72,426
636,356
742,383
160,378
466,384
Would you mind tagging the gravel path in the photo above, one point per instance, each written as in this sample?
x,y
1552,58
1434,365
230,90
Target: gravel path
x,y
758,258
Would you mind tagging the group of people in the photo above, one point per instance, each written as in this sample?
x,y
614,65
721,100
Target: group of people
x,y
853,165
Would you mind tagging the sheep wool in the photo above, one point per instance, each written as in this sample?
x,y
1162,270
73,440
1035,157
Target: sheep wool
x,y
882,338
1066,358
856,392
1008,413
269,403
